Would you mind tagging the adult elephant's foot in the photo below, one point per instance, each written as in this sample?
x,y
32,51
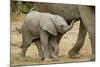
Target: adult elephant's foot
x,y
73,54
92,58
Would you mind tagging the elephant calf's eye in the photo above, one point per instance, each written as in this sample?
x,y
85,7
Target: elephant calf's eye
x,y
61,26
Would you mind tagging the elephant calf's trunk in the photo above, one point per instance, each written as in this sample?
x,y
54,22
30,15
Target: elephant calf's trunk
x,y
72,23
18,30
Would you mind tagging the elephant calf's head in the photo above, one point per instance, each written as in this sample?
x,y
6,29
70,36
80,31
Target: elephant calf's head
x,y
54,24
61,25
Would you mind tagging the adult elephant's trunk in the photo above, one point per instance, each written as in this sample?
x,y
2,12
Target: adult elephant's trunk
x,y
71,25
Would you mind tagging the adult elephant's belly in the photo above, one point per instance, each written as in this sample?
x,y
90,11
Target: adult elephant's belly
x,y
67,11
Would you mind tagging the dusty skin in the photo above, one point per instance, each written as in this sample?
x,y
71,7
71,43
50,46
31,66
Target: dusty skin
x,y
67,42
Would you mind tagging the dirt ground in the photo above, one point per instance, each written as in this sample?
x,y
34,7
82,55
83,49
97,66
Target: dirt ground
x,y
32,57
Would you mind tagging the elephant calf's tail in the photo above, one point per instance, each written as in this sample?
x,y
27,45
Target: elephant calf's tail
x,y
18,30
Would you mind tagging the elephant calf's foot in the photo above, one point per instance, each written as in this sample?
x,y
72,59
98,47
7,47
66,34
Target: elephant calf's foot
x,y
47,59
73,54
54,56
23,52
41,58
22,55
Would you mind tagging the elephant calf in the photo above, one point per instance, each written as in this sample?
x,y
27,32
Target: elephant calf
x,y
43,28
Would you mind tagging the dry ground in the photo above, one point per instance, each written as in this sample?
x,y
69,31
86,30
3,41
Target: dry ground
x,y
32,57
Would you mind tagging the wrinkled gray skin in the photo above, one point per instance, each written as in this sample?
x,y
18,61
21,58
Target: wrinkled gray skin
x,y
43,28
86,14
88,18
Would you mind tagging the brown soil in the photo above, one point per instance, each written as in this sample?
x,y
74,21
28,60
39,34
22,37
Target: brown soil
x,y
32,57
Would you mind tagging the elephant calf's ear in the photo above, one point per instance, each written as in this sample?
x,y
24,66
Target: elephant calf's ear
x,y
47,24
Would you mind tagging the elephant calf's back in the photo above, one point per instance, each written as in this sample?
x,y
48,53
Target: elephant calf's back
x,y
31,24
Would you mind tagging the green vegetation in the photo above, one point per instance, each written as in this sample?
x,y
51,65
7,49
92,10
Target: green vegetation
x,y
17,7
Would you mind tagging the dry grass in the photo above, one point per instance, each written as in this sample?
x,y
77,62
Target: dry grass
x,y
32,57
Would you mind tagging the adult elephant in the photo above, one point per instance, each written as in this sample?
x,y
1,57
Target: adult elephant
x,y
86,15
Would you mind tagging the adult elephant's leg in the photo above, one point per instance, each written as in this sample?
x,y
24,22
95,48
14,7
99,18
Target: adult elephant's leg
x,y
88,17
39,47
92,38
74,52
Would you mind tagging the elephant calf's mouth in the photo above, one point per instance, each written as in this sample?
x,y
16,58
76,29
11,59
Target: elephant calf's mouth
x,y
62,31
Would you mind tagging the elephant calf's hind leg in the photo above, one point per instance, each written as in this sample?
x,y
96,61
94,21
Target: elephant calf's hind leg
x,y
25,44
39,47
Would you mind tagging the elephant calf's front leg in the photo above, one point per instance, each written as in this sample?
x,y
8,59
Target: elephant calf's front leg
x,y
25,43
44,41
